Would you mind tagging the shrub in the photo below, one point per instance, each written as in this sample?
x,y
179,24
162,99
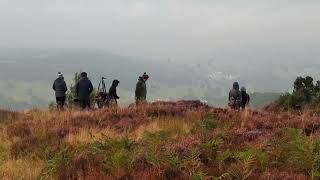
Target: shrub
x,y
294,149
118,154
199,176
58,163
208,122
241,164
305,93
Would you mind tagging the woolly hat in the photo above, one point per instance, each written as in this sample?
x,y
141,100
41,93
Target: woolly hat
x,y
60,75
84,74
145,76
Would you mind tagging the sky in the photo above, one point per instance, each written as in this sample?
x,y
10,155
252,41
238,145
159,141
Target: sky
x,y
183,30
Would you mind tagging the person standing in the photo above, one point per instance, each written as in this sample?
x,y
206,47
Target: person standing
x,y
60,88
83,90
113,96
235,97
245,98
141,89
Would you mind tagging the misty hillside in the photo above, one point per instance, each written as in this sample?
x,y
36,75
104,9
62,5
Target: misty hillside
x,y
26,75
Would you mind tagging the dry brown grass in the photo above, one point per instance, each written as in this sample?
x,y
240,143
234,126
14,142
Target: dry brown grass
x,y
28,140
21,169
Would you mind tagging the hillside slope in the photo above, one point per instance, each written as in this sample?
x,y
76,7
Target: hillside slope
x,y
163,140
26,75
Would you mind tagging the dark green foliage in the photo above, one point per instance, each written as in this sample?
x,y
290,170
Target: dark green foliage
x,y
60,161
208,122
305,93
71,94
199,176
294,149
117,153
241,164
153,149
209,149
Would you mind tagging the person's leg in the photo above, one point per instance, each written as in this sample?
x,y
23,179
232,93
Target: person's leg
x,y
88,104
82,104
63,100
59,102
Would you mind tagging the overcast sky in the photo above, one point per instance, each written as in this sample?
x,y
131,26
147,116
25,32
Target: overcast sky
x,y
179,29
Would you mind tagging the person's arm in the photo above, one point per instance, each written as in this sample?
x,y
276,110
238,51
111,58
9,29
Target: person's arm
x,y
90,87
53,86
116,95
138,90
65,87
77,89
115,99
248,98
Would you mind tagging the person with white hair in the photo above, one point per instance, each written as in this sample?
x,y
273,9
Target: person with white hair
x,y
60,88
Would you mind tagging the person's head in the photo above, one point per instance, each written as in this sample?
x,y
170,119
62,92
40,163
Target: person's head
x,y
84,75
115,82
236,86
145,76
60,75
243,89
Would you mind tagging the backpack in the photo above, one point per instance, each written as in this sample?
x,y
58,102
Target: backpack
x,y
234,102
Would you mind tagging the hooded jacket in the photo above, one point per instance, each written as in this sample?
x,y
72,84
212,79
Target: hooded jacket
x,y
113,90
245,97
60,87
84,88
235,92
141,90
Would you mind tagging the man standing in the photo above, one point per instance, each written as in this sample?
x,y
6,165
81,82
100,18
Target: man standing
x,y
245,98
141,89
83,90
60,88
235,97
113,96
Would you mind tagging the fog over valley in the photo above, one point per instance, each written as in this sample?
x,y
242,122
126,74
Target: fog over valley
x,y
191,49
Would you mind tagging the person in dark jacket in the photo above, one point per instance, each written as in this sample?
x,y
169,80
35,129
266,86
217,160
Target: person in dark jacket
x,y
113,96
60,88
235,96
83,90
141,89
245,98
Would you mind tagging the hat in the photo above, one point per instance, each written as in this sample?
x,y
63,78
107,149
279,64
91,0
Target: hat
x,y
84,74
60,75
145,76
115,82
243,89
236,85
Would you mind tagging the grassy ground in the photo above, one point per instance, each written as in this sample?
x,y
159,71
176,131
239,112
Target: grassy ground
x,y
172,140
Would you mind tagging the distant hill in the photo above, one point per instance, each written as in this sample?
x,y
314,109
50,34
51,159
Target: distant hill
x,y
259,100
26,75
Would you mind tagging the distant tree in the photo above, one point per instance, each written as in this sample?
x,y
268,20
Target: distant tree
x,y
72,95
305,93
317,87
